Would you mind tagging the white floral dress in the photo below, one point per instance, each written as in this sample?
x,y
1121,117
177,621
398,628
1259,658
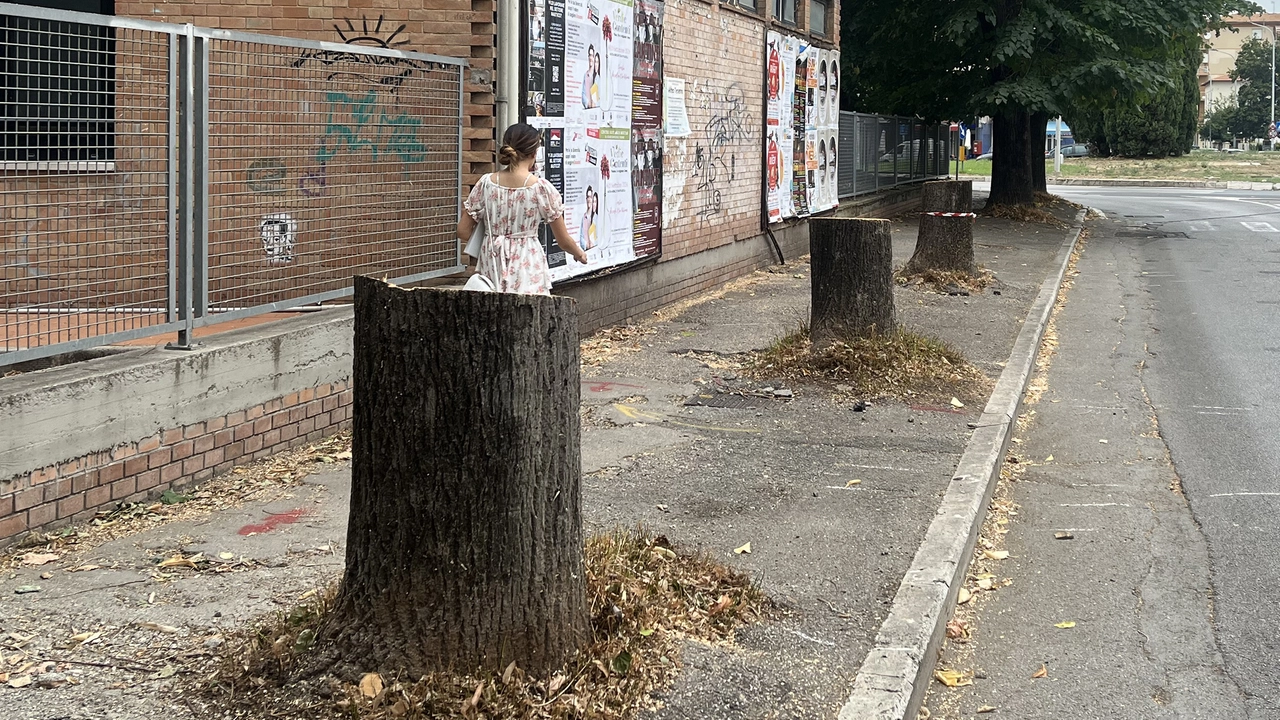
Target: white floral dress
x,y
511,254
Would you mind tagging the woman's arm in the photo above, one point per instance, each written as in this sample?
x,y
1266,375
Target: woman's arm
x,y
565,240
466,226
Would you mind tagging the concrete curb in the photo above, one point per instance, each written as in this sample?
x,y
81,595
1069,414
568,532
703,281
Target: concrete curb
x,y
892,681
1141,182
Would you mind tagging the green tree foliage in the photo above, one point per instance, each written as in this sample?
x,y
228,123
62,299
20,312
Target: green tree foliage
x,y
1253,71
1012,58
1161,126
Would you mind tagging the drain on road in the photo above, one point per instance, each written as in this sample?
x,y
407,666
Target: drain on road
x,y
727,400
1158,234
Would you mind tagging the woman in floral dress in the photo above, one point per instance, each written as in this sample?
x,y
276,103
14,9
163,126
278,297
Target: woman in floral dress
x,y
512,203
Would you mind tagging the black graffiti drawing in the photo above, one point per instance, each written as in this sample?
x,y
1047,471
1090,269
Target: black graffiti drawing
x,y
717,163
400,69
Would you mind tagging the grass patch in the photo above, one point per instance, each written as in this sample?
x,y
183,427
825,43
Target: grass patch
x,y
946,281
645,599
900,364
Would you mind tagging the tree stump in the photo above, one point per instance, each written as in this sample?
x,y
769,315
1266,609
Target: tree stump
x,y
944,243
948,196
464,543
852,278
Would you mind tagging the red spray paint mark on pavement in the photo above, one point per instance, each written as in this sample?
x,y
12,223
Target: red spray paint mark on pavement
x,y
608,386
274,520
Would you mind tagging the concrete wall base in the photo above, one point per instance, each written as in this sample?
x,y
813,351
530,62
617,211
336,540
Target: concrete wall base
x,y
124,428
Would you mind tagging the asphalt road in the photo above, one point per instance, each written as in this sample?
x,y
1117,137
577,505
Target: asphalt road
x,y
1172,576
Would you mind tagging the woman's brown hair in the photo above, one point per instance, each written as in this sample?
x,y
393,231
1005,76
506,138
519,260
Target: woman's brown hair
x,y
520,142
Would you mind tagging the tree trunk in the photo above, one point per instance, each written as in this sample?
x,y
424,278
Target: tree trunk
x,y
1011,182
1039,123
852,278
948,196
945,244
464,543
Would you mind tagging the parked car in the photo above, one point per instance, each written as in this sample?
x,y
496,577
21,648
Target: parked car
x,y
1076,150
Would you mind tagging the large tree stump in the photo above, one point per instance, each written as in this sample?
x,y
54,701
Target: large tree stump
x,y
852,278
948,196
944,243
464,543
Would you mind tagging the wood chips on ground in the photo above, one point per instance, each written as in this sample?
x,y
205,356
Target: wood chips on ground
x,y
645,600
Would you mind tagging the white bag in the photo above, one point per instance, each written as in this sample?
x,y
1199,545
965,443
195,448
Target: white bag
x,y
477,237
479,283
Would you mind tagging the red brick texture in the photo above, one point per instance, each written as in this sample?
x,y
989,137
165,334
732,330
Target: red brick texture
x,y
73,491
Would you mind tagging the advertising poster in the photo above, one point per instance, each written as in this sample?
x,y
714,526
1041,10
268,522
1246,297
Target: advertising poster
x,y
802,114
646,129
594,87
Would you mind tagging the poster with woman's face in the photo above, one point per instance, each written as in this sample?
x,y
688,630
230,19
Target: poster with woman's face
x,y
617,31
584,63
833,170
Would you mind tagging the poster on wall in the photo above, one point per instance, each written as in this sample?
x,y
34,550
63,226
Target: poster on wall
x,y
802,111
594,88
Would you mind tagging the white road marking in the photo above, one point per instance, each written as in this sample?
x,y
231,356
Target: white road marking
x,y
1259,226
1202,226
1246,494
1095,505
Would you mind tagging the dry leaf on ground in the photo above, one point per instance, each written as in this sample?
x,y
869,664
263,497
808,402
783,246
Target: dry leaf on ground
x,y
995,554
745,549
1065,625
953,678
39,558
1042,672
964,596
986,709
371,685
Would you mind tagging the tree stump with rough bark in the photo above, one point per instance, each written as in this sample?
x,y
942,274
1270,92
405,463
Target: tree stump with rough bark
x,y
948,196
852,278
464,543
944,243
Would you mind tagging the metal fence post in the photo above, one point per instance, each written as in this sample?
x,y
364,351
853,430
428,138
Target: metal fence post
x,y
200,180
186,187
171,160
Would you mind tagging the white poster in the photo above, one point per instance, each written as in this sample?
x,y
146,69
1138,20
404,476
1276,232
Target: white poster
x,y
677,117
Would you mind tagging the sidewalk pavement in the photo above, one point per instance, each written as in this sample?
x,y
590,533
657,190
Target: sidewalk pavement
x,y
775,473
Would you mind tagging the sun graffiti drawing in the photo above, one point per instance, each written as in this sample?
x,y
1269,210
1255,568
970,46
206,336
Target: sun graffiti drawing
x,y
384,71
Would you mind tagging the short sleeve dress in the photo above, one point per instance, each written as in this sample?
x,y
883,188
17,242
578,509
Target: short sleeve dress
x,y
511,255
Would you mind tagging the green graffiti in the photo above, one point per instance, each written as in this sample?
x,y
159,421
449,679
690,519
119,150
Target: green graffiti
x,y
388,135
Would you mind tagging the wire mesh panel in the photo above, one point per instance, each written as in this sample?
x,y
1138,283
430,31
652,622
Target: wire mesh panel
x,y
324,164
85,175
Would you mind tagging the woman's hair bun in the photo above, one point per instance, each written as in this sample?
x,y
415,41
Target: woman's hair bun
x,y
519,142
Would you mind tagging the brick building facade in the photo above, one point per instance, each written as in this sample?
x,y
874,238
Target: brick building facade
x,y
713,231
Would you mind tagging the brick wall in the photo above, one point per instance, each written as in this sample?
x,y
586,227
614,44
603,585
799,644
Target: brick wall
x,y
454,28
73,491
712,181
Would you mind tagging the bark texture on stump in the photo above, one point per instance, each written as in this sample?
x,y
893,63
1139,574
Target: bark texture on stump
x,y
948,196
944,244
464,543
852,278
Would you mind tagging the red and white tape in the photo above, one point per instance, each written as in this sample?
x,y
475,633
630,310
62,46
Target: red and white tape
x,y
951,214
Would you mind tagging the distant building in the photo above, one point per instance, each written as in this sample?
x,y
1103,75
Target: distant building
x,y
1216,86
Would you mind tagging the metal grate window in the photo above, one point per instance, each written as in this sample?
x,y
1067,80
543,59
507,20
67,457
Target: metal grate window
x,y
57,81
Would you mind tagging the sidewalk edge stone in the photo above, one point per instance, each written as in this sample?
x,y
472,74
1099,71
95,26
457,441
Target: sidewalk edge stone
x,y
893,679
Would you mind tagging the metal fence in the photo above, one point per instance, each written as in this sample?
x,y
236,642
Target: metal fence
x,y
157,178
881,151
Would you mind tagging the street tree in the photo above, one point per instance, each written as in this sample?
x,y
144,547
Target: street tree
x,y
1013,59
1253,100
